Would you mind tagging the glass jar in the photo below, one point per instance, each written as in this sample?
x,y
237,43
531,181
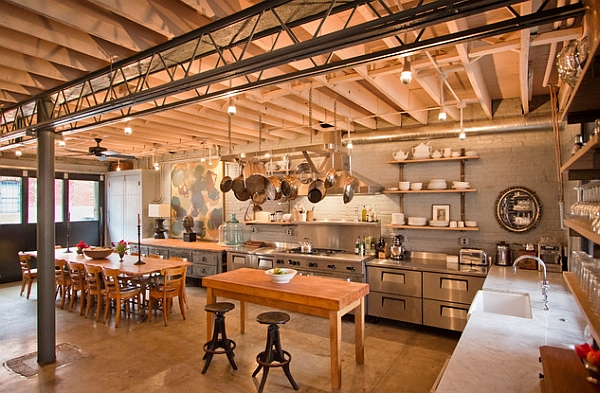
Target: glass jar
x,y
234,232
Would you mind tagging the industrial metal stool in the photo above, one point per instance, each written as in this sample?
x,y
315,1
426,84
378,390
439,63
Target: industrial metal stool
x,y
223,345
273,355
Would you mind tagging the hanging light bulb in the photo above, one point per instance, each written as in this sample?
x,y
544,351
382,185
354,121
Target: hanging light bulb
x,y
127,130
231,110
62,143
442,115
406,75
118,165
462,134
18,153
156,166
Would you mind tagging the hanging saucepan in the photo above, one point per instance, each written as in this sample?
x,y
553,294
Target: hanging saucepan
x,y
304,172
289,187
237,184
226,184
316,191
350,185
259,197
331,174
273,188
242,194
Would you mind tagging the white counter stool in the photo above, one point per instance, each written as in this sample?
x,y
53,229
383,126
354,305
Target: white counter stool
x,y
223,345
273,355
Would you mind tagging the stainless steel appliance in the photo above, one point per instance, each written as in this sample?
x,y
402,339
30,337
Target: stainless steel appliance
x,y
254,258
503,254
397,250
551,254
326,262
472,256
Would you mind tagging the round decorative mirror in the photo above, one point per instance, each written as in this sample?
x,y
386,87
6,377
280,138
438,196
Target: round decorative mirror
x,y
518,209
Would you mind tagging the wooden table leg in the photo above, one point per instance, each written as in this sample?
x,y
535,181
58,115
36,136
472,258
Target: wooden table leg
x,y
359,331
335,343
210,298
242,317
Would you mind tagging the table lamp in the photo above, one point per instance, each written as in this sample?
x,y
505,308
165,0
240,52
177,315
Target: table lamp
x,y
159,212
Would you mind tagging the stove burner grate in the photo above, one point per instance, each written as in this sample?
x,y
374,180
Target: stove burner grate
x,y
314,251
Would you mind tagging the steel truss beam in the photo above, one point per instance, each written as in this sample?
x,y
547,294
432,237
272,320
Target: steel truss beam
x,y
220,60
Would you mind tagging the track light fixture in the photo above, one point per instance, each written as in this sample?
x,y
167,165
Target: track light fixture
x,y
406,75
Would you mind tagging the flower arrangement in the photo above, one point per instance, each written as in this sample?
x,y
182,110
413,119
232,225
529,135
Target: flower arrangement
x,y
590,358
121,247
80,246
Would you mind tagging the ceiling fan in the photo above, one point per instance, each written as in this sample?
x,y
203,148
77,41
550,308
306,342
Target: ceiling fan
x,y
102,153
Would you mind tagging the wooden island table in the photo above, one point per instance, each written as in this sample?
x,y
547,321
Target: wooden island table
x,y
312,295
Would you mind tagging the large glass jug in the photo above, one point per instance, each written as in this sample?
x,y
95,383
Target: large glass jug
x,y
234,232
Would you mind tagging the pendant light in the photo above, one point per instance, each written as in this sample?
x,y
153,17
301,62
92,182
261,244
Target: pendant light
x,y
462,134
406,75
442,115
127,130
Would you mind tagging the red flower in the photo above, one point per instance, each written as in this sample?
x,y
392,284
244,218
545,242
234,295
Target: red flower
x,y
81,245
586,352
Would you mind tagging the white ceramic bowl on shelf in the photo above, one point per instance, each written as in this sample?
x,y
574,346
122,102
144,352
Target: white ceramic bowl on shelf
x,y
435,223
471,224
460,185
416,186
281,275
417,221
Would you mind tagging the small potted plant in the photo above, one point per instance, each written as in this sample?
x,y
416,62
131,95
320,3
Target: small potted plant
x,y
121,248
590,358
80,246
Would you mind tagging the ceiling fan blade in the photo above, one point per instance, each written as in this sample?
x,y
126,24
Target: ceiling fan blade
x,y
114,154
100,157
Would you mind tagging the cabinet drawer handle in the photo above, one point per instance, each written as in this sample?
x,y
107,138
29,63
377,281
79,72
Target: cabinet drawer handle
x,y
454,284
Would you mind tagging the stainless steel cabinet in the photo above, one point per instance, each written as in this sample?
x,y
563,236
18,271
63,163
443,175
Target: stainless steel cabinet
x,y
446,299
204,263
395,294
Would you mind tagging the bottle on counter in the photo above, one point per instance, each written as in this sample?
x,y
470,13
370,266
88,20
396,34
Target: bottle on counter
x,y
234,235
356,214
381,248
357,246
362,247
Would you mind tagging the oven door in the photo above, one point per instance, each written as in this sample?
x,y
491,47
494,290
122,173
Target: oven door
x,y
264,262
239,260
334,275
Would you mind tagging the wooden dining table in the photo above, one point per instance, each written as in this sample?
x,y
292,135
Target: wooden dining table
x,y
312,295
128,266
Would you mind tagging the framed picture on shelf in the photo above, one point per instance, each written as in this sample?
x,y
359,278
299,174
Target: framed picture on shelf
x,y
440,212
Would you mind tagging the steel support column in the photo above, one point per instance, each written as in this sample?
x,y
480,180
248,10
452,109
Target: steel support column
x,y
46,329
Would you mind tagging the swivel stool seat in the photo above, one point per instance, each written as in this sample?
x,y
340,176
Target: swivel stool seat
x,y
273,355
219,345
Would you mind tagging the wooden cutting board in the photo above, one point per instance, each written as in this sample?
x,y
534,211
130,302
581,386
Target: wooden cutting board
x,y
564,372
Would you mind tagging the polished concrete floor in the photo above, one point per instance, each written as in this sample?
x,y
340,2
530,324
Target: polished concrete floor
x,y
149,357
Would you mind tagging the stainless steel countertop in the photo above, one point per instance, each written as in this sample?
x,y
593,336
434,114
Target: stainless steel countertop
x,y
435,265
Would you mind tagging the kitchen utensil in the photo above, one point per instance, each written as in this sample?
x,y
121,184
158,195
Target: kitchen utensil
x,y
472,256
397,250
225,185
423,150
304,172
460,185
259,197
331,174
436,154
418,221
400,155
404,185
241,193
350,184
503,254
316,191
416,186
437,184
470,223
306,245
447,152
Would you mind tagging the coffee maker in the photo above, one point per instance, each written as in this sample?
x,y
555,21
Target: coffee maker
x,y
397,250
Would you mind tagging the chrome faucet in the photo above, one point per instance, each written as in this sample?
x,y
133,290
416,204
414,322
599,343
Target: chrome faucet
x,y
545,285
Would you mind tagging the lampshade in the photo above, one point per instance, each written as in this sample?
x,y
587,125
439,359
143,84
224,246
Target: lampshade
x,y
159,210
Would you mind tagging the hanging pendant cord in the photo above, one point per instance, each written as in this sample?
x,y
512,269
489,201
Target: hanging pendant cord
x,y
310,114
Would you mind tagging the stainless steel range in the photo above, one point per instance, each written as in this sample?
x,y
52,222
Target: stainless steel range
x,y
319,261
324,262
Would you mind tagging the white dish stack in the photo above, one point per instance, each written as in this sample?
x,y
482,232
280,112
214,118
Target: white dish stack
x,y
397,218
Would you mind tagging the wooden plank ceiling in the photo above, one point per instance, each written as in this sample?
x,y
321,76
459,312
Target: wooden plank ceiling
x,y
47,43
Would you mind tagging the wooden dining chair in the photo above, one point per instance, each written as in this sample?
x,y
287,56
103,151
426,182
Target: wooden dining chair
x,y
62,280
180,259
172,286
78,284
27,273
95,289
119,291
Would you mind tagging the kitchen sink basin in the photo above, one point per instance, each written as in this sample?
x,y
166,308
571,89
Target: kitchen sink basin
x,y
506,303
